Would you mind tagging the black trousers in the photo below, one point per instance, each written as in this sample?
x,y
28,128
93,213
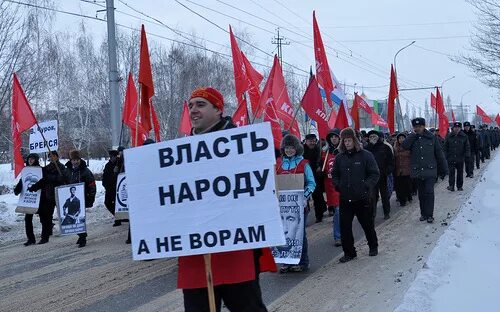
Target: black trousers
x,y
45,214
363,211
28,225
319,199
477,158
240,297
426,196
459,168
469,164
403,186
486,152
381,188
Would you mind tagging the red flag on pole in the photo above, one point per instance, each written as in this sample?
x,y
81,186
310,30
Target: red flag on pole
x,y
240,117
254,80
497,119
240,78
377,120
129,114
443,125
312,103
453,116
393,94
439,103
270,115
433,101
322,67
341,121
22,119
355,112
480,112
275,89
146,82
185,125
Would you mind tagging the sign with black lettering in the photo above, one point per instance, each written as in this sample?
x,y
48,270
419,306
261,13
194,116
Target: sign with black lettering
x,y
204,194
292,217
49,130
70,202
29,201
121,208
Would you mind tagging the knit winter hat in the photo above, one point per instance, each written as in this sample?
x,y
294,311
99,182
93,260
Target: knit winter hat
x,y
211,95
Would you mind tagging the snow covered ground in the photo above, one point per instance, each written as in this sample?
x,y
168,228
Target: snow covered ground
x,y
462,271
12,223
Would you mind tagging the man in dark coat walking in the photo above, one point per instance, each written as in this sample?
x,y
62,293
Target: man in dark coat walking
x,y
427,162
385,161
355,174
472,136
109,175
457,151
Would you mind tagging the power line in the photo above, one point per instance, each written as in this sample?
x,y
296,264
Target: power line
x,y
401,25
433,51
406,39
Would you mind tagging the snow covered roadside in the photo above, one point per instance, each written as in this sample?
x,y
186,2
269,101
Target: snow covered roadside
x,y
462,272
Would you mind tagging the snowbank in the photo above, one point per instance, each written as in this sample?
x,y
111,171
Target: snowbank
x,y
462,271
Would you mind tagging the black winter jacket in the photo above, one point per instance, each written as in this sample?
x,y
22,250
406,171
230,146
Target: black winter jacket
x,y
456,147
354,174
82,174
427,157
384,157
473,141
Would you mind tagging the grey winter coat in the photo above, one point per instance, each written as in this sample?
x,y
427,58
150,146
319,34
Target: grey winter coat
x,y
427,157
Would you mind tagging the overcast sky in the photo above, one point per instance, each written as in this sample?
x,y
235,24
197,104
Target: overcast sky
x,y
371,31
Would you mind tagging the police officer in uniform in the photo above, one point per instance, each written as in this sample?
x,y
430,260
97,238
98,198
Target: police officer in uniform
x,y
456,150
427,162
472,136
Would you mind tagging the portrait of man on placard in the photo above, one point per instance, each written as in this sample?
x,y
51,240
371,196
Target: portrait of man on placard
x,y
71,208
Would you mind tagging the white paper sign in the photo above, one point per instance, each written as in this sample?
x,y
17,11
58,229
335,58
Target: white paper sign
x,y
292,216
121,208
49,129
218,194
29,201
70,200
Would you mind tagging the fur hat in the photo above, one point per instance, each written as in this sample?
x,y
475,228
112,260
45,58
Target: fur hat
x,y
311,136
346,134
74,154
210,94
291,140
419,121
374,132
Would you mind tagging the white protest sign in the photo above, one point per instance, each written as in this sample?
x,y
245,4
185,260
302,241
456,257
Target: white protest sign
x,y
121,208
70,200
292,216
29,201
49,130
204,194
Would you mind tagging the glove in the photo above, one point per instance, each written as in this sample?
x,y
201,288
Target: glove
x,y
31,189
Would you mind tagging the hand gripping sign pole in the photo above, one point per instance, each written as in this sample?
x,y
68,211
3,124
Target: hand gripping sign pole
x,y
210,282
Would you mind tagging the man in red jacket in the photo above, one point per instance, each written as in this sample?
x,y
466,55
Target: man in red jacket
x,y
235,273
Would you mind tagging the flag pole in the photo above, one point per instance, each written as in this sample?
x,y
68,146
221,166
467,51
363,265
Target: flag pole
x,y
326,158
294,116
210,282
137,115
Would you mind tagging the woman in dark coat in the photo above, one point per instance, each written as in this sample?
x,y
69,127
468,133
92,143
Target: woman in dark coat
x,y
403,169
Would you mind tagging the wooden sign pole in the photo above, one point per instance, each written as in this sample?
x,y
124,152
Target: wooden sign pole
x,y
210,282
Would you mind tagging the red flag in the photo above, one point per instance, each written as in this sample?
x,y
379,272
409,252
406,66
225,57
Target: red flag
x,y
275,92
439,103
322,67
22,119
146,82
156,124
377,120
240,78
393,94
453,116
482,113
240,117
355,112
129,114
270,115
443,125
254,80
341,121
362,103
185,125
497,119
433,101
312,103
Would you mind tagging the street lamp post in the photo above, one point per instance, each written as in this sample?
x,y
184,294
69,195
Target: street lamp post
x,y
397,98
462,105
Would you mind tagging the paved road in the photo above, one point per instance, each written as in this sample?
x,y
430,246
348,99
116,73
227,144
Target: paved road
x,y
102,276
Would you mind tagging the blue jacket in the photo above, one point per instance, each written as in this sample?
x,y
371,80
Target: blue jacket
x,y
309,183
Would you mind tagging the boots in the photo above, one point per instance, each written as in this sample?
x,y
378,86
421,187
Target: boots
x,y
30,242
83,242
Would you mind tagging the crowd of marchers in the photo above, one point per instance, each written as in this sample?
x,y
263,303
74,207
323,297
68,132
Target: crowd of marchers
x,y
345,175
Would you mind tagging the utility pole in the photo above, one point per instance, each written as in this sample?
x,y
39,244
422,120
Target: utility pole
x,y
280,42
114,95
